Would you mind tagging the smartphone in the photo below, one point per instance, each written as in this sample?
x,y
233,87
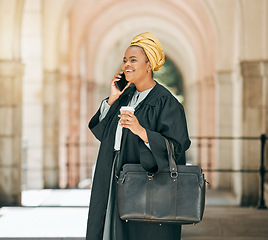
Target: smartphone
x,y
121,84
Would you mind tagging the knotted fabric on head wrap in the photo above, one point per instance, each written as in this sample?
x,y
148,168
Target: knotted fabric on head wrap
x,y
152,48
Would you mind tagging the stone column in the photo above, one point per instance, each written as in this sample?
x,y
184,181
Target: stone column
x,y
190,93
253,124
86,149
224,128
74,130
10,132
206,126
51,120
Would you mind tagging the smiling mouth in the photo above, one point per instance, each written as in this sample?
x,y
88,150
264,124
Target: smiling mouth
x,y
129,71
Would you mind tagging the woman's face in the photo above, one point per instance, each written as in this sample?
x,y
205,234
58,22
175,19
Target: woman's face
x,y
135,64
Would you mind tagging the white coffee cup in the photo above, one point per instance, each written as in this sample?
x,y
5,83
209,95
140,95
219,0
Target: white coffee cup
x,y
124,109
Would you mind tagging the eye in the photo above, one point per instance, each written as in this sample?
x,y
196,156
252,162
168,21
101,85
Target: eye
x,y
124,60
133,60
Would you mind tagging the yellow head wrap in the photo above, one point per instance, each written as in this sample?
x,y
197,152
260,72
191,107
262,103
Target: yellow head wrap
x,y
152,48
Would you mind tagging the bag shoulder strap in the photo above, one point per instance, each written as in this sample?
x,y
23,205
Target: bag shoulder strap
x,y
171,156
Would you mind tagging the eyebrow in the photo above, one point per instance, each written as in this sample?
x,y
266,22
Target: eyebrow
x,y
131,57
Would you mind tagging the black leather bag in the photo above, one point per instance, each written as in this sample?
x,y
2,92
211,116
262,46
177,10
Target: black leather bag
x,y
174,195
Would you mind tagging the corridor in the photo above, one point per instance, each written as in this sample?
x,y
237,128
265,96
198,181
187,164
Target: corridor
x,y
57,60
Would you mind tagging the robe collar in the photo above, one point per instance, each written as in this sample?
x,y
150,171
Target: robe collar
x,y
150,99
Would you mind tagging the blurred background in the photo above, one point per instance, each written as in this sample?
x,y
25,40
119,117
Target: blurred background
x,y
57,58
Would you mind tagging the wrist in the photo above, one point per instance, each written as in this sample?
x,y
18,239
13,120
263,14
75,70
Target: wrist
x,y
111,101
143,135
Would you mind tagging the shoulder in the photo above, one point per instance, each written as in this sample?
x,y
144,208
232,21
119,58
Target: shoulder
x,y
162,96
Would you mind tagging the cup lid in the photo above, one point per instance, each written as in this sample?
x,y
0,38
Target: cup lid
x,y
127,108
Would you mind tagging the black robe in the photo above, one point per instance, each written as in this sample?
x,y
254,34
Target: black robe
x,y
161,115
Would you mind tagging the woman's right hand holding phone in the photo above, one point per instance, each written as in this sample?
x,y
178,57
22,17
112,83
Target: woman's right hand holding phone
x,y
115,92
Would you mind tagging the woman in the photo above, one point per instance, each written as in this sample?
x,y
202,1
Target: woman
x,y
136,138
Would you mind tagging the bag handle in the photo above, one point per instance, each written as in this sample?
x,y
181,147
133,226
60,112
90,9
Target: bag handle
x,y
171,159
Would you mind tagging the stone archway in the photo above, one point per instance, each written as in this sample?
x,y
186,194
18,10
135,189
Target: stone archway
x,y
202,31
188,43
215,44
171,78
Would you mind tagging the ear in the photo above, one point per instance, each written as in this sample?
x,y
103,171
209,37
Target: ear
x,y
149,67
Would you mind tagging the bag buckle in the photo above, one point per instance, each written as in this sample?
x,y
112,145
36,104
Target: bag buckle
x,y
174,174
150,175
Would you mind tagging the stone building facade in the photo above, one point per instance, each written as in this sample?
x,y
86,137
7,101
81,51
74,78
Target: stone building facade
x,y
57,59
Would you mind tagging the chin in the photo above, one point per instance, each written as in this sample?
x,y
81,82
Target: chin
x,y
130,79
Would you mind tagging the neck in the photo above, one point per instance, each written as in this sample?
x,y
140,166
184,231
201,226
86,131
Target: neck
x,y
144,85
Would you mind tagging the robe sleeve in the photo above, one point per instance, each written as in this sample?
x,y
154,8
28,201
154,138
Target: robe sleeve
x,y
104,109
171,124
96,126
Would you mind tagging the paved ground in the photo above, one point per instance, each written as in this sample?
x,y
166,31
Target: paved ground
x,y
42,222
232,223
69,222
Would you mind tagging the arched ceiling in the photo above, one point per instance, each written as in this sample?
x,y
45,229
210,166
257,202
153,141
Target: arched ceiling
x,y
54,13
183,28
109,52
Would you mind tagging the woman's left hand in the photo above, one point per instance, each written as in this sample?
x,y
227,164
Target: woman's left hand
x,y
130,121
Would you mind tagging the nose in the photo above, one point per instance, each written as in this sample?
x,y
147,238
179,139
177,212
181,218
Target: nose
x,y
127,63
